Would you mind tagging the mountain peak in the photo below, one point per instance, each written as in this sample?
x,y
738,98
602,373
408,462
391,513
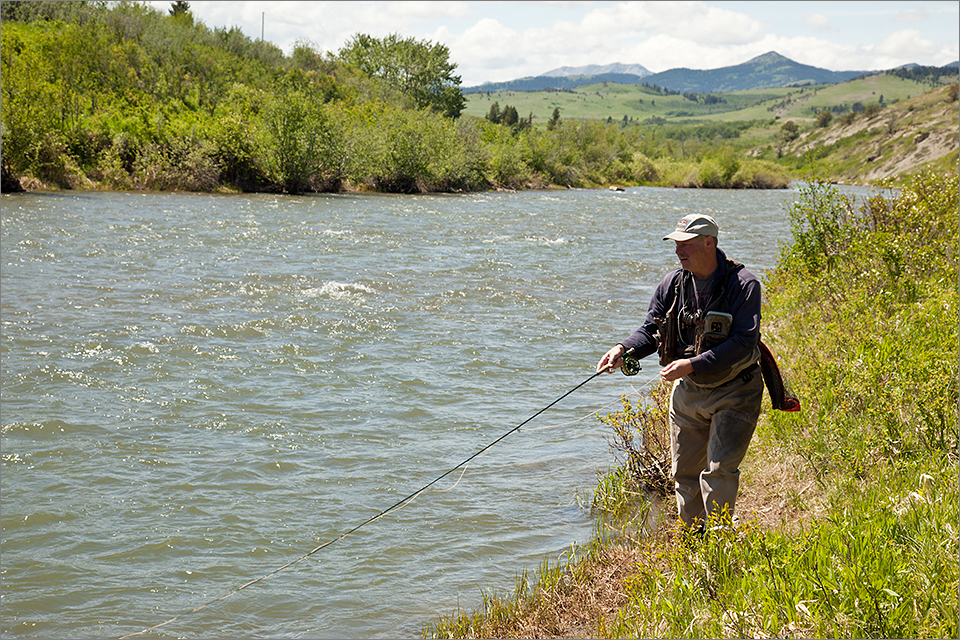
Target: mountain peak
x,y
770,56
598,69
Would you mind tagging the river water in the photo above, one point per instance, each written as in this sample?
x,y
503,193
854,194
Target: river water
x,y
201,389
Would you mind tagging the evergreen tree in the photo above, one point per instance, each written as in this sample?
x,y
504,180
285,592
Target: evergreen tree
x,y
494,114
510,116
554,119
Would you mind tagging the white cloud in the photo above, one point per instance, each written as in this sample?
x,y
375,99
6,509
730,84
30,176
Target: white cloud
x,y
912,16
905,44
485,45
498,41
818,52
818,21
658,35
686,21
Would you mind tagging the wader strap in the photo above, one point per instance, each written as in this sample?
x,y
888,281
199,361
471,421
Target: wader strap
x,y
781,397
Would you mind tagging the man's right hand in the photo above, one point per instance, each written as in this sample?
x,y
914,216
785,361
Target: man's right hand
x,y
611,359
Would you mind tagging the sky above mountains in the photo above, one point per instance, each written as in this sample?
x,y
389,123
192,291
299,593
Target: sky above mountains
x,y
501,41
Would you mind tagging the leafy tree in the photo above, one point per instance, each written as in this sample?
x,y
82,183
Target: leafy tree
x,y
789,131
419,69
179,8
824,118
506,165
300,132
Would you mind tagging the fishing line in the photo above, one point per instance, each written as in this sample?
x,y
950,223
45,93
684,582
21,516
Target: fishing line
x,y
636,391
399,504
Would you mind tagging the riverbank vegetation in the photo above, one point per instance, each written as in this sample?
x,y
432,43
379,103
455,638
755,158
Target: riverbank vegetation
x,y
849,508
122,96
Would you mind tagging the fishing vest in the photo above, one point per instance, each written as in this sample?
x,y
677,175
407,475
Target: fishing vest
x,y
709,327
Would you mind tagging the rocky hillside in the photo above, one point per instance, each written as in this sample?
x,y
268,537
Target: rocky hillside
x,y
899,140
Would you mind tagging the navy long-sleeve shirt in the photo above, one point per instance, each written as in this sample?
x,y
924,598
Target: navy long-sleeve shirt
x,y
743,299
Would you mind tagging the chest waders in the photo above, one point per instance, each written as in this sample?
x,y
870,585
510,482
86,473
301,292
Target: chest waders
x,y
711,327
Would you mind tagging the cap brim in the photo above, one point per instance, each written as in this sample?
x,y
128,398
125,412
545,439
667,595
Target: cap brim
x,y
680,236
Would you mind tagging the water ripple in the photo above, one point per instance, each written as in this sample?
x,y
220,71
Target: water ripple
x,y
198,389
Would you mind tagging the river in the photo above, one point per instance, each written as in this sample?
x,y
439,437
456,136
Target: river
x,y
201,389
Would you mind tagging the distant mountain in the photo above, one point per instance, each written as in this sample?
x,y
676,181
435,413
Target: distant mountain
x,y
914,65
600,69
563,83
770,70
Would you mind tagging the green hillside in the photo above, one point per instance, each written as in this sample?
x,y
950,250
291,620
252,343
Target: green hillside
x,y
640,103
879,144
805,104
614,101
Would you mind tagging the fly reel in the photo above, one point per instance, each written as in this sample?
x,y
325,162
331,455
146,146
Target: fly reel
x,y
631,364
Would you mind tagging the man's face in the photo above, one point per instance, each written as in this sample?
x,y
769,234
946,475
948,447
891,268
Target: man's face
x,y
696,255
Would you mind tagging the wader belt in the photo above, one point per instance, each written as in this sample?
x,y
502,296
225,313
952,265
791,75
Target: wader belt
x,y
746,375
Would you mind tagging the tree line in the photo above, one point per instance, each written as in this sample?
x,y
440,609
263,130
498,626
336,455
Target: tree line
x,y
126,96
925,74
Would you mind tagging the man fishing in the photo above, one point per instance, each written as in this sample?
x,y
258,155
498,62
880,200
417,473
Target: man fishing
x,y
704,321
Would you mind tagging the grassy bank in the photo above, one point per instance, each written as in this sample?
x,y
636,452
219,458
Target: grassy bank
x,y
850,507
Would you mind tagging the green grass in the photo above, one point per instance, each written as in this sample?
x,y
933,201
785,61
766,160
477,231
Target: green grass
x,y
880,566
639,103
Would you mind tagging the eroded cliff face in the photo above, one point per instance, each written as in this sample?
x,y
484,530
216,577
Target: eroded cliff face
x,y
900,139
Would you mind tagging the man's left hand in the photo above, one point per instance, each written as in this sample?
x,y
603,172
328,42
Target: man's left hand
x,y
676,370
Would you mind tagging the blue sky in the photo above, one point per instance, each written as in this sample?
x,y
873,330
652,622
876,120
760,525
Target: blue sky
x,y
497,41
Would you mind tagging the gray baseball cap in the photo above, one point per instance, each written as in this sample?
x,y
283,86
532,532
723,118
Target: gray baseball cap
x,y
693,225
